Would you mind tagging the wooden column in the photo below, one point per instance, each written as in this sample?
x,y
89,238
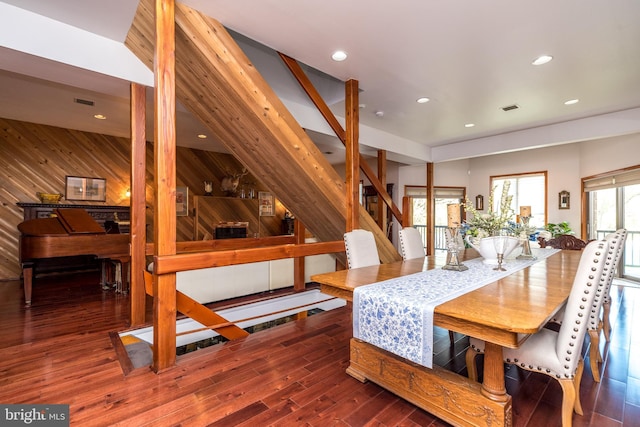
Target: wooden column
x,y
298,262
164,286
138,203
353,154
431,215
382,177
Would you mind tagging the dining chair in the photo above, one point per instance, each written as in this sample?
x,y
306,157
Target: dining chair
x,y
360,246
606,299
558,353
411,243
615,242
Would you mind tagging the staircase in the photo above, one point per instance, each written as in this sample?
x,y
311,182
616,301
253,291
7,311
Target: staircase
x,y
218,84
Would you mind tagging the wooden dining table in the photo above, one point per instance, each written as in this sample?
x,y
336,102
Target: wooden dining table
x,y
503,313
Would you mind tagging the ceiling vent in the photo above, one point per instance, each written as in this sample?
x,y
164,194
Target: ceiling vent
x,y
83,102
510,107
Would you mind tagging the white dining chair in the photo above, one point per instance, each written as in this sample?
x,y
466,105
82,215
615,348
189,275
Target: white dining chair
x,y
606,300
411,243
360,246
615,242
558,354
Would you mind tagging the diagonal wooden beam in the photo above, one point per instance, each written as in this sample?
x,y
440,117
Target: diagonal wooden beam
x,y
331,119
200,313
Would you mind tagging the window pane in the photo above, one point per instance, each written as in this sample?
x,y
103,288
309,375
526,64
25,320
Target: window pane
x,y
527,190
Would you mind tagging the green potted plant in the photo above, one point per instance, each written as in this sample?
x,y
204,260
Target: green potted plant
x,y
558,229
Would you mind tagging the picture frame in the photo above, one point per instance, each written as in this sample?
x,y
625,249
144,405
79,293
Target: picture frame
x,y
265,203
564,200
182,201
87,189
479,202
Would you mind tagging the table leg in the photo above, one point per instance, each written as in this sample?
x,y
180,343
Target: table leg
x,y
493,380
27,282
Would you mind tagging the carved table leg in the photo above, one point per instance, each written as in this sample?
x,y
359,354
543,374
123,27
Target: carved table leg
x,y
493,382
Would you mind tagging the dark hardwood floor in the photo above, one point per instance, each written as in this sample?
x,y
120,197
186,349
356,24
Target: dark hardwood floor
x,y
59,351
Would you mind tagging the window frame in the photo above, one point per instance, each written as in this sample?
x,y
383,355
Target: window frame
x,y
516,205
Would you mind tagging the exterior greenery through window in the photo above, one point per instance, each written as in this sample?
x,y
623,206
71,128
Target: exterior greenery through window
x,y
527,189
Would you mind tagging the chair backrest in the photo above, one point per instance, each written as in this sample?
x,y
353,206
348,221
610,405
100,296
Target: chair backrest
x,y
583,292
564,241
411,245
622,233
614,243
361,249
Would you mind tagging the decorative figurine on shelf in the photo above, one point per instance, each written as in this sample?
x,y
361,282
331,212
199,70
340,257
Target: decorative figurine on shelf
x,y
229,184
208,188
453,222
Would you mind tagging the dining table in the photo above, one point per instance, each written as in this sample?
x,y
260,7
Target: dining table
x,y
503,313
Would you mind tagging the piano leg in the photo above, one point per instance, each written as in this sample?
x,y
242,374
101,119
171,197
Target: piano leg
x,y
27,280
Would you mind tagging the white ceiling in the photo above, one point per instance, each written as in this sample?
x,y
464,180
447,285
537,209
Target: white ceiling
x,y
469,57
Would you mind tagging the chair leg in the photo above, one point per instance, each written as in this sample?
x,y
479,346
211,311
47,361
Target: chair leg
x,y
452,338
576,386
594,354
470,358
568,401
605,318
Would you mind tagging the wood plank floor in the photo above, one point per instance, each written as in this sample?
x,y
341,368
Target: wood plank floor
x,y
59,351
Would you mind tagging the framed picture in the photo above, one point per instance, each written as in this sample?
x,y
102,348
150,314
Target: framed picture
x,y
182,201
85,189
564,201
266,204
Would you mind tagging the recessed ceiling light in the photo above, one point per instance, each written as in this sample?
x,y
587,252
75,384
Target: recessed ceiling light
x,y
379,113
469,125
542,60
100,116
202,136
339,55
422,100
571,102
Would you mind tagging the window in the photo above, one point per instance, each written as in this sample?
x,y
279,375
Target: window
x,y
527,189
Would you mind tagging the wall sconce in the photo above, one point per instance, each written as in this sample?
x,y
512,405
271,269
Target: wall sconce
x,y
128,193
479,202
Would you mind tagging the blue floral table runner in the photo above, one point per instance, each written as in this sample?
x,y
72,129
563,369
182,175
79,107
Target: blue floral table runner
x,y
397,314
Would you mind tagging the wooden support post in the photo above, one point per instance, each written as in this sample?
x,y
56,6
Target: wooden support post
x,y
138,203
382,177
431,215
353,154
298,262
164,292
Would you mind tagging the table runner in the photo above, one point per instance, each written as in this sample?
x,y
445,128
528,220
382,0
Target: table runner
x,y
397,314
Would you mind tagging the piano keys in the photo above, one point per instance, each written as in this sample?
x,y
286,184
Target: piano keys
x,y
71,232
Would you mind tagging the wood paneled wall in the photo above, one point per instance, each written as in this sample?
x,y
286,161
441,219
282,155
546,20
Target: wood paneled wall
x,y
36,157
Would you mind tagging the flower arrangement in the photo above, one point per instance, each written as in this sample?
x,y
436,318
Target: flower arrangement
x,y
489,223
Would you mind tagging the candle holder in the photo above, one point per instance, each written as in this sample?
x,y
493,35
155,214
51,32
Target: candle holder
x,y
526,248
453,261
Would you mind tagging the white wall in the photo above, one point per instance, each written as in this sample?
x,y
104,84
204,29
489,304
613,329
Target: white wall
x,y
565,164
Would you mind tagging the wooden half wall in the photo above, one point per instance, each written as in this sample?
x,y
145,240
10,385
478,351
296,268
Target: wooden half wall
x,y
219,85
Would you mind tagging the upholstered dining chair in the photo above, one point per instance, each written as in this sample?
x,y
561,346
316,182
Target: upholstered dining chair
x,y
606,297
615,242
411,244
360,246
558,354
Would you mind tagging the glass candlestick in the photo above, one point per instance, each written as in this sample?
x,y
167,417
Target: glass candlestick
x,y
499,243
526,248
453,261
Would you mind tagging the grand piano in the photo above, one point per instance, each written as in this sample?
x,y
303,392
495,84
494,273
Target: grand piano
x,y
71,232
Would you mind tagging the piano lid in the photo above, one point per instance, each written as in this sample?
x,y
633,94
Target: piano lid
x,y
68,221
